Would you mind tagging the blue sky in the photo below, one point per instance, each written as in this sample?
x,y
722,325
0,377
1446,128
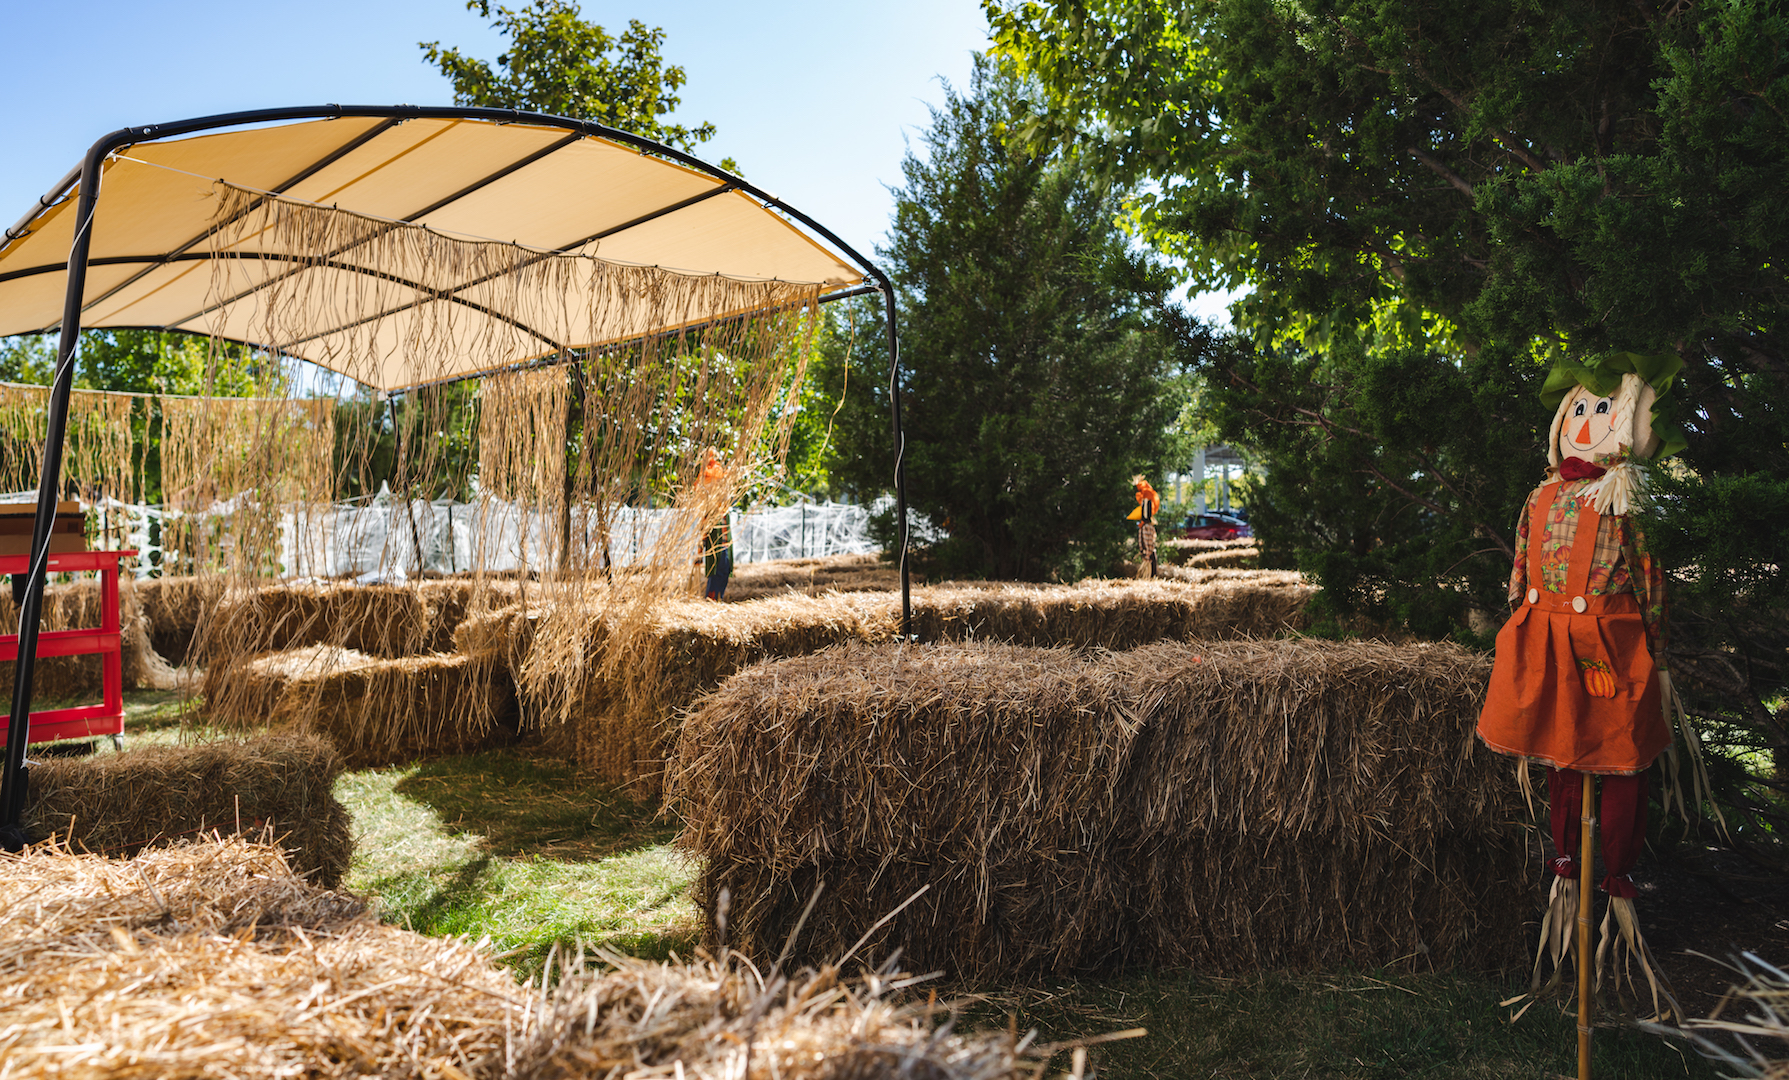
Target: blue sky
x,y
815,101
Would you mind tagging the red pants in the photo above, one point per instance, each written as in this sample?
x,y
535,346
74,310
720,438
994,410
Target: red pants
x,y
1622,825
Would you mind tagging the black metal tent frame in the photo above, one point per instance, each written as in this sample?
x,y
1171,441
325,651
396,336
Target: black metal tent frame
x,y
13,778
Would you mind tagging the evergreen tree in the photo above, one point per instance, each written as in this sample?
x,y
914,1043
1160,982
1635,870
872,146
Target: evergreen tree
x,y
1430,201
1035,348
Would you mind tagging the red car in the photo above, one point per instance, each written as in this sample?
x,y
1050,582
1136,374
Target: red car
x,y
1214,527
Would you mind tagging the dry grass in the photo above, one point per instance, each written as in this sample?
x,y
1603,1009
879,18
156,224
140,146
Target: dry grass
x,y
117,804
724,1019
1749,1030
1223,805
214,960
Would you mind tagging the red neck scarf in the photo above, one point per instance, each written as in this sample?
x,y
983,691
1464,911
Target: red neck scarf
x,y
1572,468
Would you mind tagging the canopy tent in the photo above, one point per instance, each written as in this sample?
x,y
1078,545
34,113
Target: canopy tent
x,y
547,187
232,226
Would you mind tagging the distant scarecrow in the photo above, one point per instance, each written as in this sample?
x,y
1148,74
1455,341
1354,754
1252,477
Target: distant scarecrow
x,y
717,547
1148,503
1576,684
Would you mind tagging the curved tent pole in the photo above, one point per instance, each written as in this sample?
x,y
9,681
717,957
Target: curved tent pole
x,y
13,777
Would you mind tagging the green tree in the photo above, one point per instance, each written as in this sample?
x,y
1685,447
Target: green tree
x,y
1035,345
27,358
560,64
1431,200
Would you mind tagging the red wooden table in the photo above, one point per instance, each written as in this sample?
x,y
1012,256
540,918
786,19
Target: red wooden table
x,y
81,721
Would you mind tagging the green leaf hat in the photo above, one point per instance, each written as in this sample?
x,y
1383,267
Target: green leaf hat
x,y
1601,375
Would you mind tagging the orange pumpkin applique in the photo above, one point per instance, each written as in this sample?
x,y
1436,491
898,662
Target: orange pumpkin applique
x,y
1599,678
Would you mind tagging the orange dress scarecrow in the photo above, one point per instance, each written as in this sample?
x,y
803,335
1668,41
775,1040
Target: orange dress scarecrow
x,y
1576,684
1148,504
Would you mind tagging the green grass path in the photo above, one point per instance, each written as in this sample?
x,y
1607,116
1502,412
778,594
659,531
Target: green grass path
x,y
520,849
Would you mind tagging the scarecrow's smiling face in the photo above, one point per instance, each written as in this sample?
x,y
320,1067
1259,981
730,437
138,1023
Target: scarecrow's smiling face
x,y
1589,427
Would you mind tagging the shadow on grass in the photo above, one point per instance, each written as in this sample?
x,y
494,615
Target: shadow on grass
x,y
522,849
1360,1026
524,804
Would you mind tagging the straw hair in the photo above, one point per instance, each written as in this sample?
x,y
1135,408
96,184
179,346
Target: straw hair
x,y
1223,805
118,804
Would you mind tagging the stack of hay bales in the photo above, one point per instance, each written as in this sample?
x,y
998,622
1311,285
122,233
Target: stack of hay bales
x,y
76,605
624,707
118,804
1228,806
213,959
626,710
363,665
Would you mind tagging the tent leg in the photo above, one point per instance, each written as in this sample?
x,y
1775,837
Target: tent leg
x,y
900,444
13,778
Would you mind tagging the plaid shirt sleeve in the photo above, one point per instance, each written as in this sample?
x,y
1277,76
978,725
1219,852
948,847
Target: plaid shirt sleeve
x,y
1518,576
1648,580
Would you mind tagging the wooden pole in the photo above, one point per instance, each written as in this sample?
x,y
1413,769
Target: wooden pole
x,y
1587,814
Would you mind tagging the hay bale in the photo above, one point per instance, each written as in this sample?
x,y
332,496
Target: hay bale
x,y
390,711
241,693
1179,549
118,804
622,718
1113,614
175,608
709,1019
213,959
833,573
1238,557
1229,806
379,620
376,711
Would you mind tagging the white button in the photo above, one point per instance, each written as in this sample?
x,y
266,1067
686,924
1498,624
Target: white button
x,y
1534,596
1579,604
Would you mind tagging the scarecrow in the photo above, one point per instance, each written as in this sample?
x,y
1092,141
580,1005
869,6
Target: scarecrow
x,y
717,548
1577,685
1148,502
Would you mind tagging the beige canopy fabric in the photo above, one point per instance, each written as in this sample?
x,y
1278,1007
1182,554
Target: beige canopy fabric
x,y
176,244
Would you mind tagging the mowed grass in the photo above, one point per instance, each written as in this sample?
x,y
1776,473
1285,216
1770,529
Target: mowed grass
x,y
1354,1026
521,849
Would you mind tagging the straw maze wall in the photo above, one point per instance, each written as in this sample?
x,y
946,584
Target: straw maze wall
x,y
1229,806
391,672
626,704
